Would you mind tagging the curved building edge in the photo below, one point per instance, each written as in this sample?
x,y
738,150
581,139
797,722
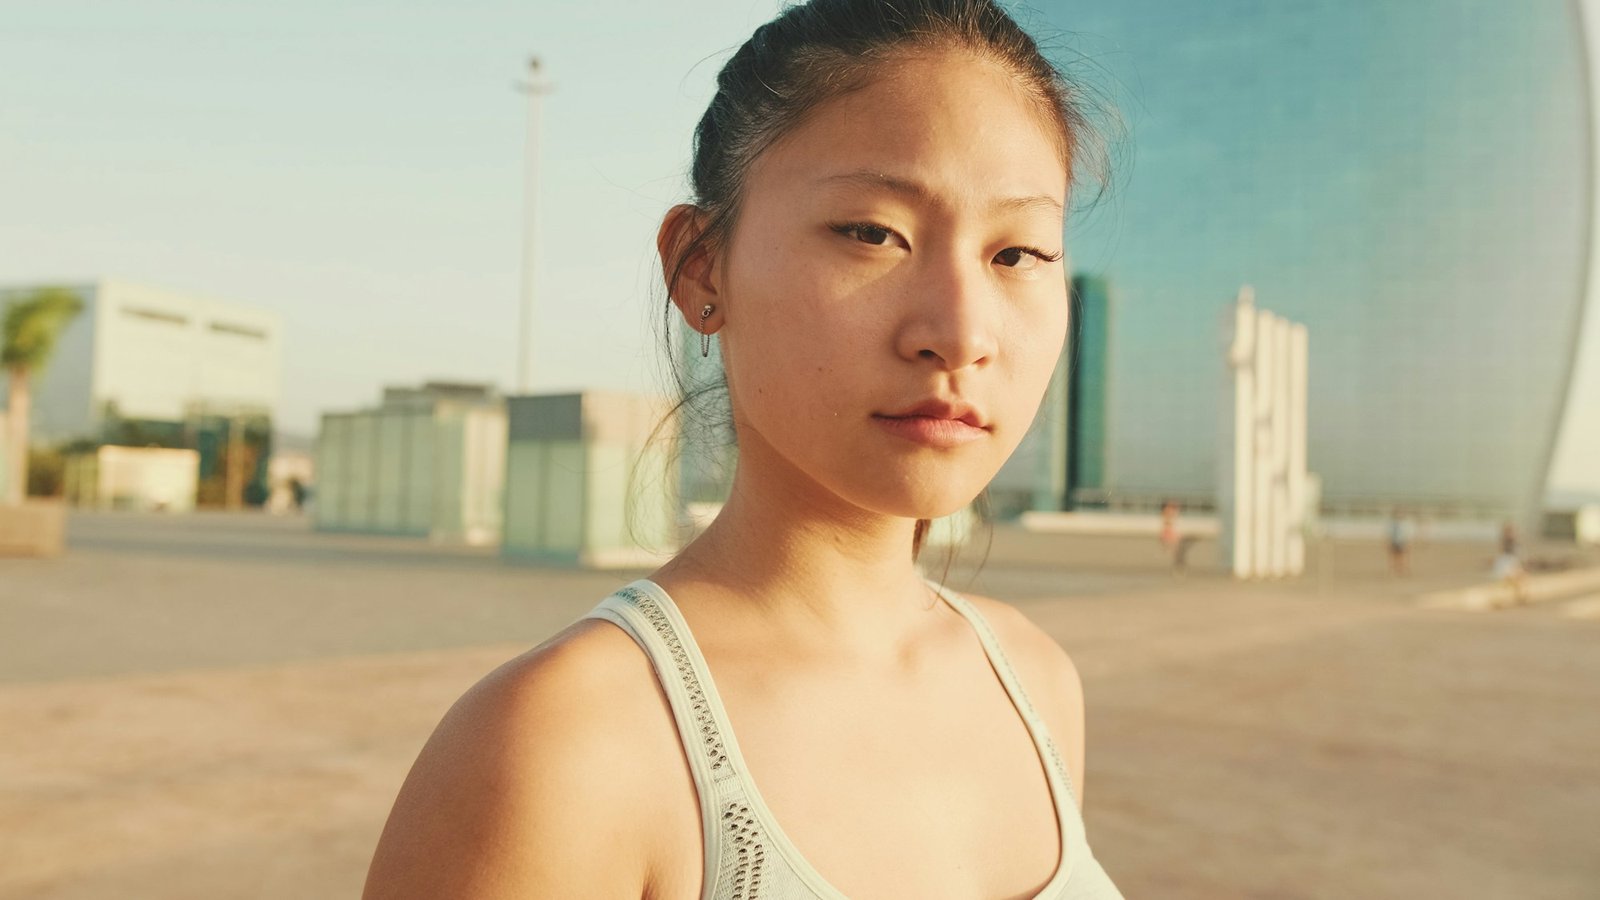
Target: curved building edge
x,y
1586,19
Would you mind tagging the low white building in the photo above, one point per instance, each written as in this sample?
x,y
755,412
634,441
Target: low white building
x,y
142,353
428,462
588,481
144,479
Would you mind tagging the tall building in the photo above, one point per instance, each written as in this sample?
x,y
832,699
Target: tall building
x,y
1087,413
1060,462
1413,181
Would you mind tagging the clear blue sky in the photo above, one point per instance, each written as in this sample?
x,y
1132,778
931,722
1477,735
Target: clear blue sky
x,y
357,168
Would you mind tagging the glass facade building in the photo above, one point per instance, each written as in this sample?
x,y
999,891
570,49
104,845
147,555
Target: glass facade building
x,y
1088,345
1414,181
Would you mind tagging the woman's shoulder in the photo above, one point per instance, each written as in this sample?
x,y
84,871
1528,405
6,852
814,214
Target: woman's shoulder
x,y
591,690
1047,673
583,684
1030,648
532,778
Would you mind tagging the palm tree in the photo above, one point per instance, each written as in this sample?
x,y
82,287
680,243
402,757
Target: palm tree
x,y
33,323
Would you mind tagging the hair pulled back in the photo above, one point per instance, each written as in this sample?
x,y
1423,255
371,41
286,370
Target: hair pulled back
x,y
817,51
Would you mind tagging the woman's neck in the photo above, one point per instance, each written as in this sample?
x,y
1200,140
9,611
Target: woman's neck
x,y
795,561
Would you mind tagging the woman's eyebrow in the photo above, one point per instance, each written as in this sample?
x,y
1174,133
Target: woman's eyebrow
x,y
918,192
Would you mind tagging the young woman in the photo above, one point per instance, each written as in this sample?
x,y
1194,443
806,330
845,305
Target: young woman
x,y
788,709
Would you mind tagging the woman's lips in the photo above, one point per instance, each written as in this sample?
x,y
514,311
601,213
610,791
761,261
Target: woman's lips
x,y
931,431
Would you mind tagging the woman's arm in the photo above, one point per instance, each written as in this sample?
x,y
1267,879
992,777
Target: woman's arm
x,y
522,791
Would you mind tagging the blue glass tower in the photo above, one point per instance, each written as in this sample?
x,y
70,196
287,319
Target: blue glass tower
x,y
1411,180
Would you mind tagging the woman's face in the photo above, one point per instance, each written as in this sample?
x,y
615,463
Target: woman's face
x,y
902,245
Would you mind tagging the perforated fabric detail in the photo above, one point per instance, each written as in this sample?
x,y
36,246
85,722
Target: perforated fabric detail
x,y
710,734
746,854
750,850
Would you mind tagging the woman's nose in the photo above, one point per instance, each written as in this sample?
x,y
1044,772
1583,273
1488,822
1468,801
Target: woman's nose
x,y
951,317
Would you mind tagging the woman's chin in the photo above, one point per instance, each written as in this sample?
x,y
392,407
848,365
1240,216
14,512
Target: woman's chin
x,y
927,507
928,493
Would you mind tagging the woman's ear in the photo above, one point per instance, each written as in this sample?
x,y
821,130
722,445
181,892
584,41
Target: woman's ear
x,y
686,263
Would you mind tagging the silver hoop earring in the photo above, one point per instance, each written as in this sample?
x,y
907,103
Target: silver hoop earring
x,y
705,339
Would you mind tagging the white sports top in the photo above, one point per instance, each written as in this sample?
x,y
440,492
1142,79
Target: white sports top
x,y
747,854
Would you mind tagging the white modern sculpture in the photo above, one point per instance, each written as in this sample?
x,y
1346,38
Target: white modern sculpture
x,y
1261,502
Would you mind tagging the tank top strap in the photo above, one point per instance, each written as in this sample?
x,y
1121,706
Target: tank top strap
x,y
659,630
745,847
1013,685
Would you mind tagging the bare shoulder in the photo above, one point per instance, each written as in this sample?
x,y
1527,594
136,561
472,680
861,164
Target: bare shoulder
x,y
1049,676
530,782
1043,663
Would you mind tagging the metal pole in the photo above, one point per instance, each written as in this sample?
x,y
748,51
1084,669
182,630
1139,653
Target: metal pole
x,y
535,87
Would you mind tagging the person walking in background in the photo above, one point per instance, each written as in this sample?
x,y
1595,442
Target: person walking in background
x,y
1400,532
1508,568
1171,540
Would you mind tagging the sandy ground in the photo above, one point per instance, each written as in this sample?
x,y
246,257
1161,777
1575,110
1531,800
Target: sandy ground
x,y
224,706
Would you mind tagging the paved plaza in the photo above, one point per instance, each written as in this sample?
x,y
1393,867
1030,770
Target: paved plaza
x,y
224,705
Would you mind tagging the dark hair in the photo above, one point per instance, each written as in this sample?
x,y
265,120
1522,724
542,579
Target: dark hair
x,y
817,51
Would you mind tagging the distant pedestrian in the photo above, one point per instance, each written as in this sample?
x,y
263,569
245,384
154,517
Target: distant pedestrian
x,y
1400,533
1508,568
297,492
1176,545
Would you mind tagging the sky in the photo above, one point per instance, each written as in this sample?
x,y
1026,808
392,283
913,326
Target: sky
x,y
357,168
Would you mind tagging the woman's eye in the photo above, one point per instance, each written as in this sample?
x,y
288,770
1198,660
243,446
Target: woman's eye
x,y
1024,257
876,235
871,234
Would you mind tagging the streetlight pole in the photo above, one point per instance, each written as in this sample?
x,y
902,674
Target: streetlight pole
x,y
535,87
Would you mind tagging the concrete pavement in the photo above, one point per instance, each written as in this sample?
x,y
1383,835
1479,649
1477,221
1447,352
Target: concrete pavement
x,y
223,706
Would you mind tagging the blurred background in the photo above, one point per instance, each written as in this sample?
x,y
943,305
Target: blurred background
x,y
333,359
